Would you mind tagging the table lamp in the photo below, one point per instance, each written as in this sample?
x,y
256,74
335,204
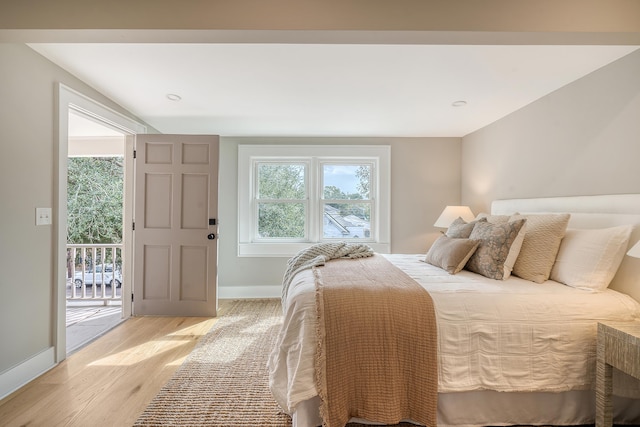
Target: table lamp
x,y
451,213
635,250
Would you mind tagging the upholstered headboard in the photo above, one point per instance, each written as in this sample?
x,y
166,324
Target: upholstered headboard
x,y
591,212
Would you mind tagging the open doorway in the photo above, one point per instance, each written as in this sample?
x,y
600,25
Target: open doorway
x,y
93,113
95,221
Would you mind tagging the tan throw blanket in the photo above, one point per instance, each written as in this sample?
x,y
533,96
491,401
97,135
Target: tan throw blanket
x,y
318,254
376,357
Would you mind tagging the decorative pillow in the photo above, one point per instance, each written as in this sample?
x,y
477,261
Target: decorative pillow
x,y
451,254
514,251
460,229
495,242
494,219
589,259
540,245
515,247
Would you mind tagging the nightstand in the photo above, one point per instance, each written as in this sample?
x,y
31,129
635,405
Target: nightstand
x,y
619,347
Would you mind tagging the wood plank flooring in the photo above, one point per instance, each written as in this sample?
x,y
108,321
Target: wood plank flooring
x,y
110,381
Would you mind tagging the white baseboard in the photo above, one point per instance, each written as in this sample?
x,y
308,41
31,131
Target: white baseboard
x,y
247,292
16,377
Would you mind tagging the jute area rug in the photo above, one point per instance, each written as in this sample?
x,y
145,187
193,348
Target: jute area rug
x,y
224,381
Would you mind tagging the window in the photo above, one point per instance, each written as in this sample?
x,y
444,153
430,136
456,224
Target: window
x,y
294,196
347,206
281,200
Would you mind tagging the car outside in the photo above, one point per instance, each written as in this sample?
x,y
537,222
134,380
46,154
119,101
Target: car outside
x,y
107,277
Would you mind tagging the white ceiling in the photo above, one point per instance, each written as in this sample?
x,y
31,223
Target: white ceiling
x,y
325,90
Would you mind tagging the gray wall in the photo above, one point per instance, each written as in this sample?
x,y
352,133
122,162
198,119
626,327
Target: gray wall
x,y
425,176
28,154
583,139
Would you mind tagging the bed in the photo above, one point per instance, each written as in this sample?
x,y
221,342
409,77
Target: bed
x,y
517,349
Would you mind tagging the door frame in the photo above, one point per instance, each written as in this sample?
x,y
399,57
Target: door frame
x,y
69,99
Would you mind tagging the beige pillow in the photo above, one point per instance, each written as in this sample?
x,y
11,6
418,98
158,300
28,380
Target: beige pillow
x,y
451,254
493,219
588,259
540,246
460,229
495,242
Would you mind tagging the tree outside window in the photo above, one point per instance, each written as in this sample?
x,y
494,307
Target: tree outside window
x,y
281,191
94,202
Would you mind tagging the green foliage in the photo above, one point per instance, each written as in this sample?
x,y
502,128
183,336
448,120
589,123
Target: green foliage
x,y
94,200
281,181
364,179
281,220
331,192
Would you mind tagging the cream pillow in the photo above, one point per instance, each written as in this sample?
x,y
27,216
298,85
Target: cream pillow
x,y
495,242
540,246
588,259
494,219
451,254
514,251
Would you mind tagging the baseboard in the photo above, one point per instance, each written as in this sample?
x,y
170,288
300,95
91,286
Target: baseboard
x,y
247,292
16,377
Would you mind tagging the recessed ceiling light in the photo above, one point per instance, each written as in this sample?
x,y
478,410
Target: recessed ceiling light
x,y
173,97
459,104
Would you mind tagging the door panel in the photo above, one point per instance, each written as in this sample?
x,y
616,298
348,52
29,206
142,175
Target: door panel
x,y
176,194
158,206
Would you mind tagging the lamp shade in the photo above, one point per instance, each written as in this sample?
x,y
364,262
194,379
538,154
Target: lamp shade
x,y
635,250
451,213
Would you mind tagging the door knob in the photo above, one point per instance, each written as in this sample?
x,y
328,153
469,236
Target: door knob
x,y
211,236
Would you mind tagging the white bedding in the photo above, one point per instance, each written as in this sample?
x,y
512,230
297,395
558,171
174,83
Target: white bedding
x,y
512,335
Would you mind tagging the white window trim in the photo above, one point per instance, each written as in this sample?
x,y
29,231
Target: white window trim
x,y
382,196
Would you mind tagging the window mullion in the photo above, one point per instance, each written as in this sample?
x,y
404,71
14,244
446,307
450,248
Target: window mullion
x,y
313,202
254,200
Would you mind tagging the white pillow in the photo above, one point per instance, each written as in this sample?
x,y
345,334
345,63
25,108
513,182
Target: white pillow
x,y
588,259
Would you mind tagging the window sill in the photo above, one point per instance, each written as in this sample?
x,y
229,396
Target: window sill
x,y
287,250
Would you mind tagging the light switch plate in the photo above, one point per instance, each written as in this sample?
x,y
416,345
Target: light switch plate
x,y
43,216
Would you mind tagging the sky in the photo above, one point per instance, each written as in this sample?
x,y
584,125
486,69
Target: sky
x,y
341,176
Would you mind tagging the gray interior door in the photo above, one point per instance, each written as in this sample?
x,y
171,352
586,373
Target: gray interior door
x,y
175,240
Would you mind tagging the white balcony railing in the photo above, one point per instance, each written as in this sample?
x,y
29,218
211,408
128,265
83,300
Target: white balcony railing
x,y
94,272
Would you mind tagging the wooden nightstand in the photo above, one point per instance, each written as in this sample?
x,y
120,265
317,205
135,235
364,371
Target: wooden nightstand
x,y
619,347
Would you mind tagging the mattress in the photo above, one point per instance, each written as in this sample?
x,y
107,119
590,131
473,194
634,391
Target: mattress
x,y
502,336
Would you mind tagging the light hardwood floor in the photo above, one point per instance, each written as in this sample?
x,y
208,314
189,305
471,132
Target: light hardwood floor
x,y
110,381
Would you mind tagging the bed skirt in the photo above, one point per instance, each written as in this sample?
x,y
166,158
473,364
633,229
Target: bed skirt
x,y
482,408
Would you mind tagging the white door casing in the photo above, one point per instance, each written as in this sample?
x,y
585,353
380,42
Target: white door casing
x,y
69,99
176,195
